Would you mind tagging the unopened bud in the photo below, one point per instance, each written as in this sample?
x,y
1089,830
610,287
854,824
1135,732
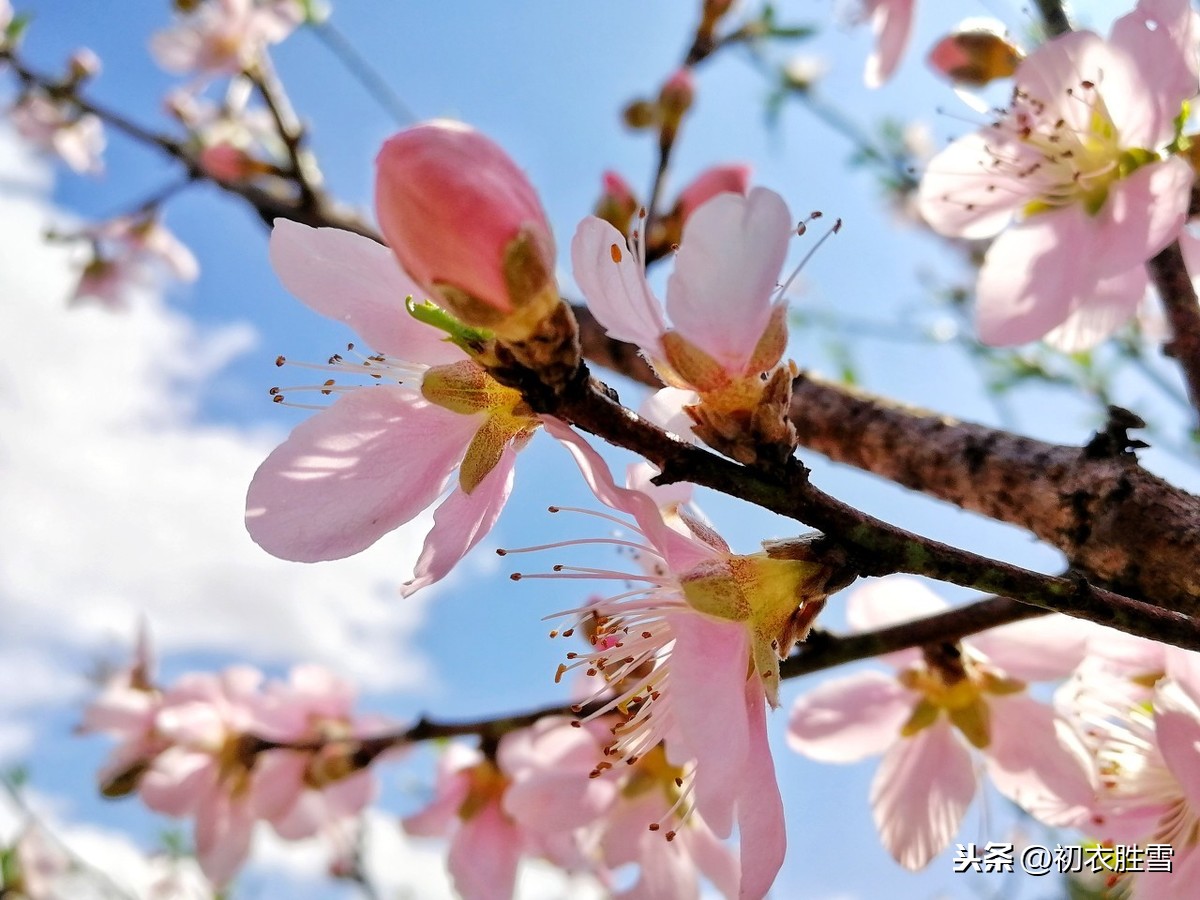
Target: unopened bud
x,y
464,221
801,73
732,178
975,54
225,162
639,114
617,205
82,65
676,97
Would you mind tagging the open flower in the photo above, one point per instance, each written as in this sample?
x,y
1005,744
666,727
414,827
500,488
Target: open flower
x,y
1140,712
1079,161
224,36
728,322
692,653
52,126
942,702
720,298
383,453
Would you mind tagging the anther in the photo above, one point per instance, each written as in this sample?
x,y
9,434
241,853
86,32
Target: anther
x,y
280,360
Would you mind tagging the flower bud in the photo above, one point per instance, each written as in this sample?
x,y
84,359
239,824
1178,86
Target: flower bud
x,y
676,97
617,205
975,54
733,178
464,221
82,65
228,163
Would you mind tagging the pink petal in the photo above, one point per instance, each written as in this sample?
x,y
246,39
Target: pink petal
x,y
1142,215
353,279
761,830
1039,762
1111,303
726,271
177,781
850,718
223,832
614,285
920,794
483,856
891,21
1061,65
680,552
711,856
892,601
958,194
1034,274
708,702
1042,649
1177,724
349,475
278,782
461,522
1164,63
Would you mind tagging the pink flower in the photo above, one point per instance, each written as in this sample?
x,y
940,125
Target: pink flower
x,y
205,772
733,248
224,36
693,655
485,844
1145,735
464,220
941,703
75,138
1078,161
302,792
131,254
891,20
382,454
126,709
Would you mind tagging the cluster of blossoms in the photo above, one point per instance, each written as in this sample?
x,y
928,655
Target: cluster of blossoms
x,y
233,749
129,253
222,37
1113,756
1081,178
671,754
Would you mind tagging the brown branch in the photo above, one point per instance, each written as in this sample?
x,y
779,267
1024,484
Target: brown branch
x,y
1183,312
874,547
1114,521
822,650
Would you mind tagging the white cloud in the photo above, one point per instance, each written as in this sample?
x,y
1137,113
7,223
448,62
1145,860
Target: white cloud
x,y
118,501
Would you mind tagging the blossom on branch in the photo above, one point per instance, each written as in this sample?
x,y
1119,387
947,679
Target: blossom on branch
x,y
222,37
128,254
728,321
692,656
230,750
1077,177
383,453
54,127
943,701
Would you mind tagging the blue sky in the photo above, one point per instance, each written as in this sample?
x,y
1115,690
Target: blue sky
x,y
138,433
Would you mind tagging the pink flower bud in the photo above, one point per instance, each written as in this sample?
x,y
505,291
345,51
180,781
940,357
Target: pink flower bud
x,y
975,54
617,205
733,178
225,162
677,95
453,207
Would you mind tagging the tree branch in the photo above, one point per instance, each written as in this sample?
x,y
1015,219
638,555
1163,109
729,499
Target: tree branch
x,y
875,547
1179,302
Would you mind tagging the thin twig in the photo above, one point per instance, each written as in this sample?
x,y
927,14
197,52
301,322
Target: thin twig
x,y
1054,17
364,73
